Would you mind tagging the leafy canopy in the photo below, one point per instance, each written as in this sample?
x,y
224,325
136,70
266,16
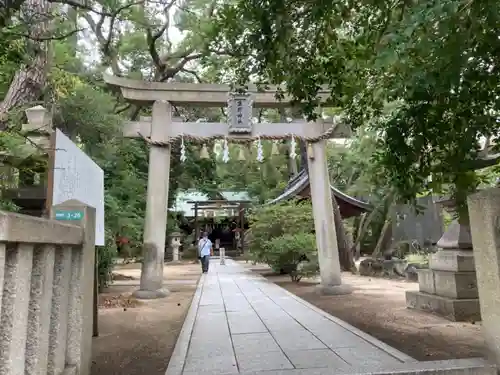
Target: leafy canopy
x,y
424,75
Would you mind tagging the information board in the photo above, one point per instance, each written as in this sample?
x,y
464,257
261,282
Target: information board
x,y
77,176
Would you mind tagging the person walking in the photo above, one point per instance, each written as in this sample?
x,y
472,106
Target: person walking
x,y
204,247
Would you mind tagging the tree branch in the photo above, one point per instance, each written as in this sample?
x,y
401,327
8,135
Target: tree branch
x,y
151,41
152,37
172,71
125,108
103,41
43,38
193,73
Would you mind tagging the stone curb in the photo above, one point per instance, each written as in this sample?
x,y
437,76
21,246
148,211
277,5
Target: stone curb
x,y
468,366
178,358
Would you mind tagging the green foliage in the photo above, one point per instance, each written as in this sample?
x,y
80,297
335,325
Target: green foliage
x,y
190,252
287,252
281,234
352,169
12,54
268,222
7,205
132,40
421,259
262,181
421,74
86,114
105,260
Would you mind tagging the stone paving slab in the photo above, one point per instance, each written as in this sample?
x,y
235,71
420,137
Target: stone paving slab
x,y
240,323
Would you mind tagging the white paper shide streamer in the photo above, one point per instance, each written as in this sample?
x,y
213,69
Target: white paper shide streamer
x,y
183,157
293,146
225,151
260,151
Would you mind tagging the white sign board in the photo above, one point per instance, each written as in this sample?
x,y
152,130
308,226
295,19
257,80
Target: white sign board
x,y
76,176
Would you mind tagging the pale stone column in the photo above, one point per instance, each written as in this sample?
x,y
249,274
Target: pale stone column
x,y
484,213
222,252
82,309
156,206
324,223
175,243
175,252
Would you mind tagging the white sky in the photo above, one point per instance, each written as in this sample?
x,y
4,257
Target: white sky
x,y
87,40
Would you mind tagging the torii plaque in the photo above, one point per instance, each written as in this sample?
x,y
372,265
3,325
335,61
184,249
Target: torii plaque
x,y
240,114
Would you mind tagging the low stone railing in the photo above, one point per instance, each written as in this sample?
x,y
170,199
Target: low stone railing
x,y
46,293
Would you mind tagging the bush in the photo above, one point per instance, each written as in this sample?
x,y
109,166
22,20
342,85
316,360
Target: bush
x,y
105,261
269,222
286,252
190,252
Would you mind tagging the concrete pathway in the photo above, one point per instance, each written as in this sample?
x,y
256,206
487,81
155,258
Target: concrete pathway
x,y
240,323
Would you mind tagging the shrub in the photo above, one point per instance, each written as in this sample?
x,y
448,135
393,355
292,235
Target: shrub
x,y
269,222
286,252
190,252
105,261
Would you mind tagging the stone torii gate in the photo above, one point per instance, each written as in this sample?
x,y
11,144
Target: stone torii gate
x,y
161,129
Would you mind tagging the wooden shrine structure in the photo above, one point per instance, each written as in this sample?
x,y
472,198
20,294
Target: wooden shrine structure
x,y
299,187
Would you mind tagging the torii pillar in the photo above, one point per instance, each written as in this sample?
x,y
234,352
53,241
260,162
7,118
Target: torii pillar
x,y
324,222
155,224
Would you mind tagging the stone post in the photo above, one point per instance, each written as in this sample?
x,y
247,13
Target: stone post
x,y
156,206
175,243
222,253
484,213
449,288
324,223
81,305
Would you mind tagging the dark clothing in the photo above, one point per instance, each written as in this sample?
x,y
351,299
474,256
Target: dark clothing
x,y
205,261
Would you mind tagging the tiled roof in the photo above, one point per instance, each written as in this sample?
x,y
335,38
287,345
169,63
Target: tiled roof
x,y
301,181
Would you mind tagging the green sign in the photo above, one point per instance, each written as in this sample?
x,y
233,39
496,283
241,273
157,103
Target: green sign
x,y
69,215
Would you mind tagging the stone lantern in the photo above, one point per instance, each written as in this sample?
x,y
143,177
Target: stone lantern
x,y
175,243
39,126
449,287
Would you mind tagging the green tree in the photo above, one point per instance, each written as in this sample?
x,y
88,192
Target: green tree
x,y
435,64
133,40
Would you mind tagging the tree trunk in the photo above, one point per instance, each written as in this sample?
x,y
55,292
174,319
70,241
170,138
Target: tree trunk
x,y
343,240
30,80
369,219
72,40
384,239
359,229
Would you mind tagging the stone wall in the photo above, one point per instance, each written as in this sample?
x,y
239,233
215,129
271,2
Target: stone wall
x,y
46,293
425,227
